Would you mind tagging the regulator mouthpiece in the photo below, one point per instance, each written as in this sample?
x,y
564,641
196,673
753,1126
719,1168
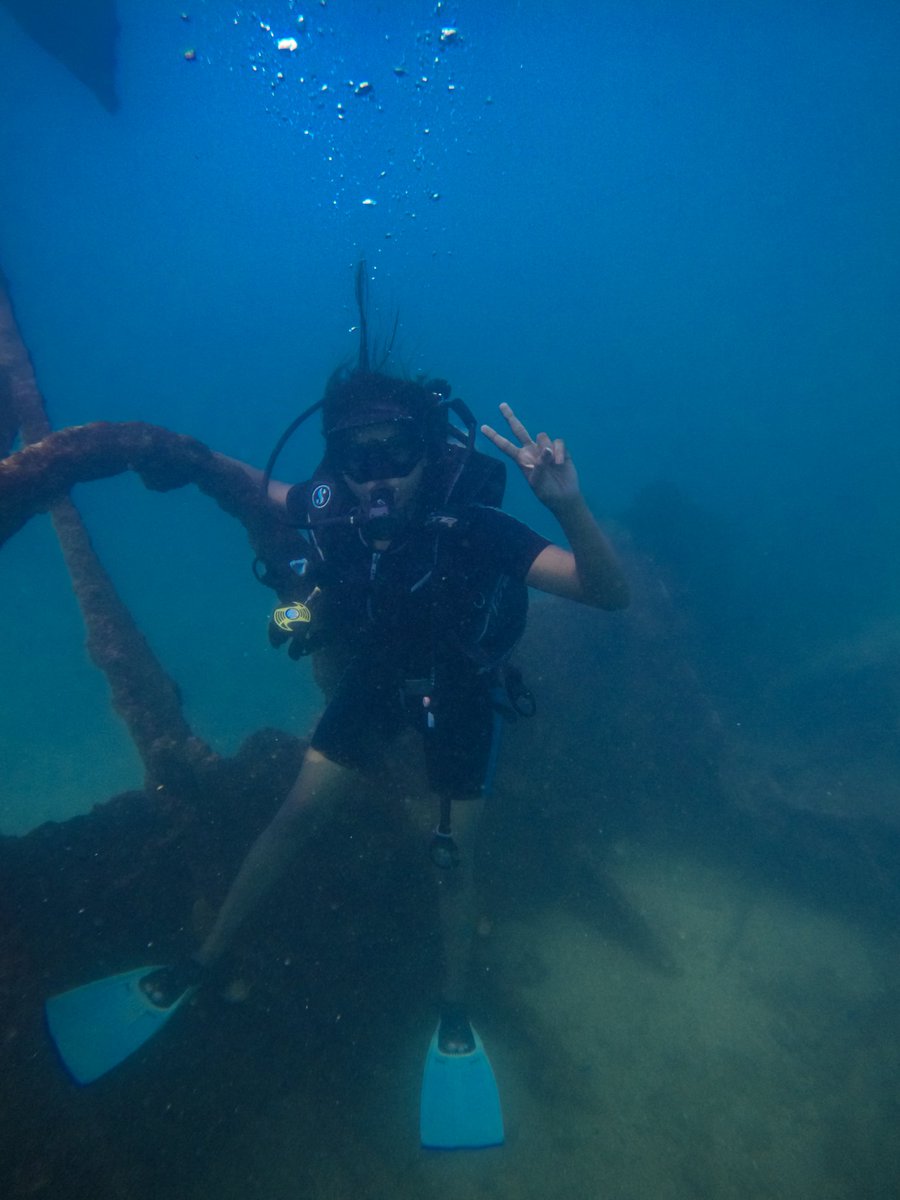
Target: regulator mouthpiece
x,y
379,516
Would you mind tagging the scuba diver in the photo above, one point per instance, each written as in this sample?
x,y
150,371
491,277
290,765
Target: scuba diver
x,y
417,580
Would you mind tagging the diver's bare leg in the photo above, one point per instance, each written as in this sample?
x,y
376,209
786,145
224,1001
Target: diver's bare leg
x,y
318,786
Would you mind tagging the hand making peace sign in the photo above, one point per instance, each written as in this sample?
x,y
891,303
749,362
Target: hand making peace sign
x,y
545,463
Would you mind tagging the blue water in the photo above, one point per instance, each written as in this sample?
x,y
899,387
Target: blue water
x,y
666,232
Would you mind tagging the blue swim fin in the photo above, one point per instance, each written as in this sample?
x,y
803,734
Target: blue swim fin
x,y
460,1105
97,1026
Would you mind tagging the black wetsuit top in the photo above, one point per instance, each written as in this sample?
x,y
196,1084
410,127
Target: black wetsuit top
x,y
425,623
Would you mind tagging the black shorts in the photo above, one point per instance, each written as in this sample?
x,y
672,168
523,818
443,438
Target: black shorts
x,y
459,725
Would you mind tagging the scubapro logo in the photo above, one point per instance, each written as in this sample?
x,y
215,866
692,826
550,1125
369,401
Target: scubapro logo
x,y
321,495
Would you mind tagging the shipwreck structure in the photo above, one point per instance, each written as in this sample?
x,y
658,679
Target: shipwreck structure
x,y
639,737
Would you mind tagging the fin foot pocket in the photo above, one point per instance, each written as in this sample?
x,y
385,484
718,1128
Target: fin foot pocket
x,y
455,1034
166,985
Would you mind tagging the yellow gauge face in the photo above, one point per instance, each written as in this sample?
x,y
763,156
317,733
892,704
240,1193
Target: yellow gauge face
x,y
289,616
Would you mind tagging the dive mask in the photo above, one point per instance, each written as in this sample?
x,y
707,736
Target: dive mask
x,y
364,459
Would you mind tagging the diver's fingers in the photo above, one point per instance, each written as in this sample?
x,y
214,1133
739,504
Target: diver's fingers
x,y
502,443
516,425
559,451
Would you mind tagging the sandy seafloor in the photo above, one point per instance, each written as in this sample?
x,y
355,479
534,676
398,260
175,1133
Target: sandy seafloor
x,y
761,1060
764,1065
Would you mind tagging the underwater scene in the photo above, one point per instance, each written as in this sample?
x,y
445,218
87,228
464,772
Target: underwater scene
x,y
334,334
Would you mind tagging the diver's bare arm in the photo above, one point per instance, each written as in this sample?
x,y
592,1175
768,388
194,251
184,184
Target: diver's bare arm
x,y
277,491
590,571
